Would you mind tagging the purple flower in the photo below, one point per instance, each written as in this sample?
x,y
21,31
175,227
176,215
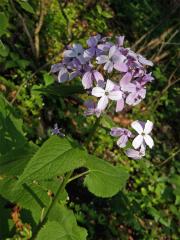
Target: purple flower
x,y
143,129
125,83
120,104
65,74
123,133
91,108
92,44
106,94
89,77
57,131
75,52
144,61
120,41
131,153
113,60
136,94
56,67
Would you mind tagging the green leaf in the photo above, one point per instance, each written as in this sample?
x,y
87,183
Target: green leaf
x,y
104,179
26,6
106,14
6,225
60,90
32,196
62,225
3,23
13,162
11,133
55,157
4,50
99,9
48,79
107,121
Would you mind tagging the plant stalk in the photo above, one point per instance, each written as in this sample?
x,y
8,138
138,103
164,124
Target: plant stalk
x,y
54,201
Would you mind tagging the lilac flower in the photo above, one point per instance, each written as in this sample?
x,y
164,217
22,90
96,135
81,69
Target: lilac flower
x,y
123,133
57,131
66,74
91,108
56,67
92,44
75,52
120,41
130,152
136,94
144,61
120,104
125,83
106,94
143,129
113,60
89,77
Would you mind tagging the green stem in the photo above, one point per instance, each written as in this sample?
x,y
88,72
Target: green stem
x,y
93,130
169,158
78,176
54,201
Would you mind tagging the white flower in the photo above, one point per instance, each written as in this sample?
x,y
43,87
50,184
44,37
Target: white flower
x,y
106,94
143,137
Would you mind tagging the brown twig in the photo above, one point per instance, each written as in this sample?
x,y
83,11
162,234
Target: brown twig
x,y
38,27
26,30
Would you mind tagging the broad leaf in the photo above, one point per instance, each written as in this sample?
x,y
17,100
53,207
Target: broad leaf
x,y
14,162
62,226
11,133
33,196
104,179
56,157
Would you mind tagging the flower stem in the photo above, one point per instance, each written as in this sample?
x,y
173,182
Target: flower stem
x,y
93,130
54,201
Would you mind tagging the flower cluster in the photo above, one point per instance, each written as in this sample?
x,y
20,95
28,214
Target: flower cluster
x,y
110,72
139,142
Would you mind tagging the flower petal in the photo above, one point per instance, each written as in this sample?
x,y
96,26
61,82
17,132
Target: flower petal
x,y
130,99
137,126
89,53
144,61
98,76
116,132
98,92
120,105
125,79
115,95
122,141
148,127
133,153
78,48
102,104
108,66
102,59
137,142
87,80
112,51
149,141
63,75
69,53
109,86
122,67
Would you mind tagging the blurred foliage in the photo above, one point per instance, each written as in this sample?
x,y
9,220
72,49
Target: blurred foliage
x,y
33,35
